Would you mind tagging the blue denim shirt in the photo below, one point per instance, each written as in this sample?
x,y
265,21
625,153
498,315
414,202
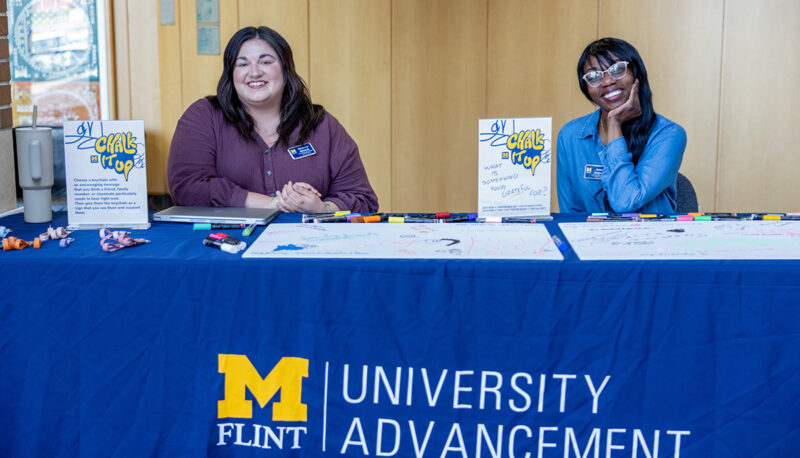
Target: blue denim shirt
x,y
647,187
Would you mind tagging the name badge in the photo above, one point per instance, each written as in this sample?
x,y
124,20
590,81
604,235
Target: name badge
x,y
593,172
301,151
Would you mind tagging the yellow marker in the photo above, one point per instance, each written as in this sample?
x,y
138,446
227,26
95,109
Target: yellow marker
x,y
647,215
771,217
397,219
341,213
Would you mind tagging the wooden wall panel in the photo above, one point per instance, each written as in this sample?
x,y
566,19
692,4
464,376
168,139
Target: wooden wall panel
x,y
438,95
122,80
170,76
145,90
681,45
201,72
533,52
450,63
350,42
759,161
287,17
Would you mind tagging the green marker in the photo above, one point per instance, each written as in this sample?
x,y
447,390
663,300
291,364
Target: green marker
x,y
248,230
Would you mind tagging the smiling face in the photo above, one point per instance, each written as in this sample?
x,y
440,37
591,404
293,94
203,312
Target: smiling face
x,y
257,75
610,93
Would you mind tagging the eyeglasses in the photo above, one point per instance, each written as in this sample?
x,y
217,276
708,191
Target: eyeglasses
x,y
617,71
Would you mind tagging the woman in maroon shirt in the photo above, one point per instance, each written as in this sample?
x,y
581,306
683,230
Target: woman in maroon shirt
x,y
261,142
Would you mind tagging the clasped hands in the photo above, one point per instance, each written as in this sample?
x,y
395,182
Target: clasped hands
x,y
301,198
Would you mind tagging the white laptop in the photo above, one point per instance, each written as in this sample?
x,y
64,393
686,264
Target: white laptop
x,y
218,215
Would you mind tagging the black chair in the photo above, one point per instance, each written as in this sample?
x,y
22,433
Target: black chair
x,y
686,198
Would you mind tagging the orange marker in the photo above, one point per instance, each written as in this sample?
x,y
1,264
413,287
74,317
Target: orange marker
x,y
372,219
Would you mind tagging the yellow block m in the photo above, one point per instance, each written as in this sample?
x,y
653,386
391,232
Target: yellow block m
x,y
286,376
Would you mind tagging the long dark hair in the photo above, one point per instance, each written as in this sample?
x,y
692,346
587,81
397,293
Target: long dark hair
x,y
608,50
296,106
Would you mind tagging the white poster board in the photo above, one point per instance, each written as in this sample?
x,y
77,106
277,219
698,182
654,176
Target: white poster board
x,y
405,241
514,157
106,175
684,240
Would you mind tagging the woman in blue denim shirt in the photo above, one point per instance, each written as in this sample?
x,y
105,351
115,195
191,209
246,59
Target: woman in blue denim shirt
x,y
623,157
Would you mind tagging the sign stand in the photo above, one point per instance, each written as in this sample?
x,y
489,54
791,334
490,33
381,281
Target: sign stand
x,y
514,157
106,174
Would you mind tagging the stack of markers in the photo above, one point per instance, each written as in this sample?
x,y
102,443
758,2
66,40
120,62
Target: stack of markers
x,y
224,242
347,217
439,217
601,217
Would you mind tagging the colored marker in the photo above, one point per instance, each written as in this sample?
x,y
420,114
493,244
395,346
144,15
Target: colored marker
x,y
771,217
418,220
209,226
331,219
397,219
702,218
560,244
454,219
248,230
509,219
309,217
372,219
223,237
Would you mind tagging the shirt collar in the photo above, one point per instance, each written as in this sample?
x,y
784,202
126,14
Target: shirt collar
x,y
590,126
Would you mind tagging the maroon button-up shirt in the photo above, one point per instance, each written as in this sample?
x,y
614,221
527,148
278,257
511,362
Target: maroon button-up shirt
x,y
211,164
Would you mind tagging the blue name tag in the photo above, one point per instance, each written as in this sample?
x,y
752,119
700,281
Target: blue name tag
x,y
593,172
301,151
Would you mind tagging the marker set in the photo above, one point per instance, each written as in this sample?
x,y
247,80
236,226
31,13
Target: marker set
x,y
604,217
224,242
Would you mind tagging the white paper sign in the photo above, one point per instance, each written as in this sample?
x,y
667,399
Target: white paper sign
x,y
106,175
406,241
514,166
684,240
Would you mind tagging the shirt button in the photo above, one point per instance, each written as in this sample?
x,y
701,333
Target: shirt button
x,y
266,151
272,194
269,173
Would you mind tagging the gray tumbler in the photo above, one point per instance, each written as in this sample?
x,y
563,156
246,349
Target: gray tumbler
x,y
35,162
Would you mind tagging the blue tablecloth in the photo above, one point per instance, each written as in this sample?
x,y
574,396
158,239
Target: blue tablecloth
x,y
176,349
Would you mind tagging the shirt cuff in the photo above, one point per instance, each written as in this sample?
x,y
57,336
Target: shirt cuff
x,y
615,151
238,196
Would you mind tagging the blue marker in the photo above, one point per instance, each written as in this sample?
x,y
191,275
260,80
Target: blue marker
x,y
560,244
